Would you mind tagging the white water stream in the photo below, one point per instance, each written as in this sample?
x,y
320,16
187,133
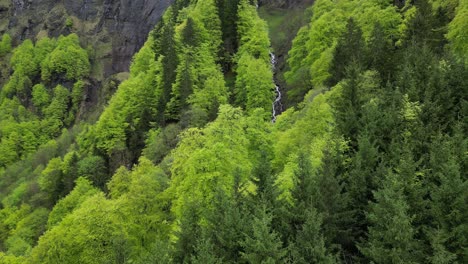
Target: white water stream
x,y
277,106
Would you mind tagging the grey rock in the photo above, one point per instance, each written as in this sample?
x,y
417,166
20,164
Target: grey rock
x,y
113,30
285,3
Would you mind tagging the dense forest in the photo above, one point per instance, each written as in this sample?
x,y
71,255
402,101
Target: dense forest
x,y
367,163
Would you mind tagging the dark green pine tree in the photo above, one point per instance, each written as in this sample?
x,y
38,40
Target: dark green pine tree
x,y
303,194
426,27
169,64
381,53
348,106
391,233
185,246
263,179
190,37
360,183
229,214
228,15
261,243
205,253
181,89
410,174
350,49
159,253
309,245
449,201
331,202
70,171
179,5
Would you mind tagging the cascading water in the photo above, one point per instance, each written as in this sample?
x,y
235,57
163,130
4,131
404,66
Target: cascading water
x,y
277,106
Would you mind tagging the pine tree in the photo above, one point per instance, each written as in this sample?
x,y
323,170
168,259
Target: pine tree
x,y
449,201
391,234
189,231
227,213
262,244
350,49
169,62
381,53
331,202
205,253
309,245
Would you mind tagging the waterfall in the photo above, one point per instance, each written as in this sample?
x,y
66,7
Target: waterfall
x,y
277,106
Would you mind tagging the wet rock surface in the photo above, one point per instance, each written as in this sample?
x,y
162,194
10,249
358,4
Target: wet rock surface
x,y
113,30
285,3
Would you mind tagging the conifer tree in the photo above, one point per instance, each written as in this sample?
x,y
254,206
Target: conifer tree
x,y
350,49
262,244
391,233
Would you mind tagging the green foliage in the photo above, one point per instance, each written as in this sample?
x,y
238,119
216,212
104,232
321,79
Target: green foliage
x,y
8,259
309,246
16,197
368,170
391,234
120,183
160,142
129,113
208,159
82,191
94,169
77,94
146,185
262,245
23,60
70,240
26,233
254,83
252,32
43,48
304,131
50,180
5,45
199,84
312,50
67,59
40,96
144,59
69,22
456,33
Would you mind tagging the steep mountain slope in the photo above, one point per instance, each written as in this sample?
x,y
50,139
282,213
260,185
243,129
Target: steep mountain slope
x,y
113,29
185,165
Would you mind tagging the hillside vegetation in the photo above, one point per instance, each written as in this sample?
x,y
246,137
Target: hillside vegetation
x,y
184,164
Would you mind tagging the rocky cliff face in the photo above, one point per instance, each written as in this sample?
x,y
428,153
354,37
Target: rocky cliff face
x,y
286,3
112,30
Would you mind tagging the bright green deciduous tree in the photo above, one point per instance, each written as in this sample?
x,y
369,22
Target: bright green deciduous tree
x,y
90,235
67,59
82,191
5,45
457,33
207,160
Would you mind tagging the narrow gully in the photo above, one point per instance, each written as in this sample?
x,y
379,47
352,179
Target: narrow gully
x,y
277,107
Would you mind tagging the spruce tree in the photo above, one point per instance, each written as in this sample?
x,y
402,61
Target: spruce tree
x,y
261,243
350,49
391,233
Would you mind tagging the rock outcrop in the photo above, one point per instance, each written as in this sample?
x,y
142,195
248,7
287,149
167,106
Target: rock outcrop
x,y
112,30
286,3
